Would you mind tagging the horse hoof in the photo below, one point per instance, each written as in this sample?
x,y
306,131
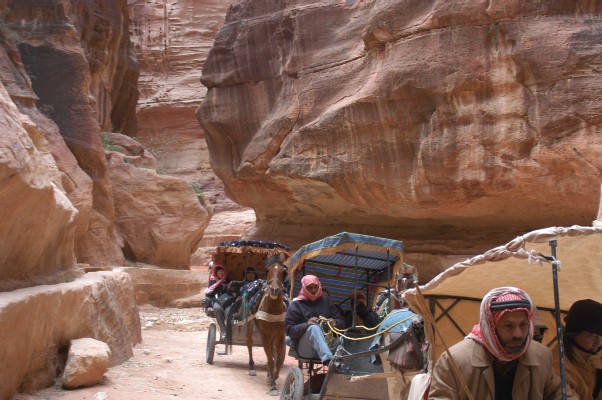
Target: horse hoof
x,y
252,372
274,392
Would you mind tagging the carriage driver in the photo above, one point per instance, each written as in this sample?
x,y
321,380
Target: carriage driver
x,y
498,359
303,326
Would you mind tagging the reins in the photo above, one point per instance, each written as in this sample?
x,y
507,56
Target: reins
x,y
341,332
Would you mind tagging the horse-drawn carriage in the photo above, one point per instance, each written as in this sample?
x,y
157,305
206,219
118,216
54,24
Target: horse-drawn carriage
x,y
347,264
238,257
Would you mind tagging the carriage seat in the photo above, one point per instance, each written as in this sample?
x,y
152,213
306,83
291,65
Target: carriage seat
x,y
292,352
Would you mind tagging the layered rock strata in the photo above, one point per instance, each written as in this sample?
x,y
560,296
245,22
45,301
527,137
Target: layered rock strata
x,y
99,305
451,125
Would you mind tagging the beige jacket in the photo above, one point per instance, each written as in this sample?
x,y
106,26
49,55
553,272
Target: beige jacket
x,y
581,374
535,377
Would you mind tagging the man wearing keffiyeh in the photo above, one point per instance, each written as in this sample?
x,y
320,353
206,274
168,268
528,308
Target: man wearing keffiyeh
x,y
499,360
302,322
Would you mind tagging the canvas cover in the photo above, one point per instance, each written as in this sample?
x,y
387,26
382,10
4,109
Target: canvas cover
x,y
346,262
454,296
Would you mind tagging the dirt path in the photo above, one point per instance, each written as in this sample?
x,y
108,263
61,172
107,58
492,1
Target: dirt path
x,y
170,364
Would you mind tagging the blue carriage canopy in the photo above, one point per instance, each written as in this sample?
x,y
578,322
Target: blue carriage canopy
x,y
348,262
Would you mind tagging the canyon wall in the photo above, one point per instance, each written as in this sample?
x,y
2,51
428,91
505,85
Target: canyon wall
x,y
172,39
69,67
452,125
76,189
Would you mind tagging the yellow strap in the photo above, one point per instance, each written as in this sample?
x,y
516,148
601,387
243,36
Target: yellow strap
x,y
339,332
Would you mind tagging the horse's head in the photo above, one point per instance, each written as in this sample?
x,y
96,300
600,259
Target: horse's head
x,y
406,279
274,279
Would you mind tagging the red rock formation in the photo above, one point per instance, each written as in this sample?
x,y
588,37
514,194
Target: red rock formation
x,y
172,40
452,125
39,223
75,54
160,218
37,324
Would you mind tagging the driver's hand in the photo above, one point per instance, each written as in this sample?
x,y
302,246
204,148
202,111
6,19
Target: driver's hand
x,y
312,321
332,322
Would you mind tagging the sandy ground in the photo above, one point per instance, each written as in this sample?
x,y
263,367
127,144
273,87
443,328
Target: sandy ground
x,y
170,364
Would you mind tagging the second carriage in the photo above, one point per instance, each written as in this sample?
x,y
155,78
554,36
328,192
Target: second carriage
x,y
237,257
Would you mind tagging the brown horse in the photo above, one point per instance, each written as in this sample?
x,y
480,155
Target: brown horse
x,y
269,320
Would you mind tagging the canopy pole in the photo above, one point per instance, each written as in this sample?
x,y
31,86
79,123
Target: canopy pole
x,y
353,305
553,244
389,277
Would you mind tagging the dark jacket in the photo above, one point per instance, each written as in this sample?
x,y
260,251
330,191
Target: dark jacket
x,y
300,311
217,292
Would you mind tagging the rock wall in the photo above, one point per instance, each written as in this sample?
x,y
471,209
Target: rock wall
x,y
38,220
75,53
99,305
70,69
452,125
172,39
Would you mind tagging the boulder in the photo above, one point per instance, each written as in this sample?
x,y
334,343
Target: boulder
x,y
87,362
160,217
99,305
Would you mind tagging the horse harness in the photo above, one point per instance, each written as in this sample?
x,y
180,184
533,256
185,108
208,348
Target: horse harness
x,y
263,315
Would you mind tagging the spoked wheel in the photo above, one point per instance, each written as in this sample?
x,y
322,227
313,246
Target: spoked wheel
x,y
210,350
292,388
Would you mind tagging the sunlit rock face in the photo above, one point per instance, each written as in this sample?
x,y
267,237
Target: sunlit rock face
x,y
172,39
37,324
160,218
452,125
40,241
83,72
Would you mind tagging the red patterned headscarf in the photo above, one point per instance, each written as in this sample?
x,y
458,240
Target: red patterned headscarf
x,y
494,305
209,291
304,294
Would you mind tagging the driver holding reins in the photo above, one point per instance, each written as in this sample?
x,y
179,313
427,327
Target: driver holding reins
x,y
303,325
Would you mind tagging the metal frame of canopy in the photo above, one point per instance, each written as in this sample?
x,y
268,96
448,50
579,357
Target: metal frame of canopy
x,y
347,263
552,285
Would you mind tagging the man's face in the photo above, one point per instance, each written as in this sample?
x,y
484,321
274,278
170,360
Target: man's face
x,y
589,341
250,276
512,331
312,288
219,273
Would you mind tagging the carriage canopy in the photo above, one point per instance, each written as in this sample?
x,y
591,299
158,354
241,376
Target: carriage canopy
x,y
238,255
348,262
454,296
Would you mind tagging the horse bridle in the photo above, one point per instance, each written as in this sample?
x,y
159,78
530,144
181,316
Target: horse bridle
x,y
273,292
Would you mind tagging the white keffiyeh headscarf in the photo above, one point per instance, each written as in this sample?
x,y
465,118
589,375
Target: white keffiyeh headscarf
x,y
495,304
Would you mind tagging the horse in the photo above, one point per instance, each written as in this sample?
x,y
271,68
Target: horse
x,y
269,320
398,385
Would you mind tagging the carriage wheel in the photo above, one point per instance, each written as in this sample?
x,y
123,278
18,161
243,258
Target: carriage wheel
x,y
210,350
292,388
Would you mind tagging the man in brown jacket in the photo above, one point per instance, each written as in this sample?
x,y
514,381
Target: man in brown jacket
x,y
498,359
583,349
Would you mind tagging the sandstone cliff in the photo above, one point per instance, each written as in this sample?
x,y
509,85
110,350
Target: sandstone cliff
x,y
67,76
172,39
70,67
452,125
